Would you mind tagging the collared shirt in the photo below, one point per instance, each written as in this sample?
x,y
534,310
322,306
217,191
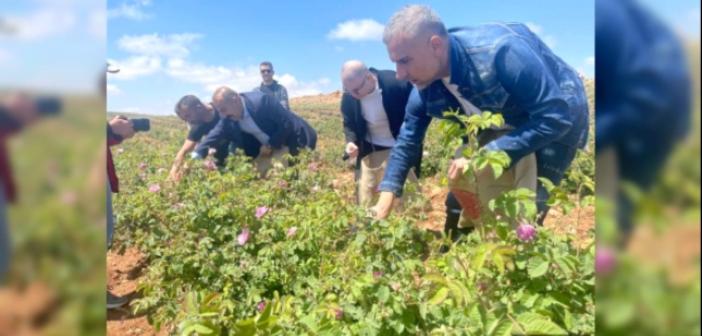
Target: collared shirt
x,y
248,125
377,119
467,106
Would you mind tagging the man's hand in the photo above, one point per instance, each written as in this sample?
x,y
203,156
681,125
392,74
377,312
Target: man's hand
x,y
458,165
351,149
21,108
175,175
382,209
266,150
122,127
456,168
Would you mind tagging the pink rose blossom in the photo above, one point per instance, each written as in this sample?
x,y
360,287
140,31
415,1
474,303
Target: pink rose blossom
x,y
154,188
313,166
261,211
243,237
526,232
339,314
209,165
605,260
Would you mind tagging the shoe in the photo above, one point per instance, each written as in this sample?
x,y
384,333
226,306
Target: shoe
x,y
114,301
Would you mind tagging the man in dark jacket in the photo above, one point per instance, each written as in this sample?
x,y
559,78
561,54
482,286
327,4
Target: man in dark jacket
x,y
373,108
261,126
271,86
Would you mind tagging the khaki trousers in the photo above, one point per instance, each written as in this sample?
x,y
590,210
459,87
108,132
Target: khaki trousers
x,y
474,197
372,170
276,159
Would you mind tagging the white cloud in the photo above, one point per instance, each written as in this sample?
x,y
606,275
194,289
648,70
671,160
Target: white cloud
x,y
357,30
113,89
548,39
97,24
134,67
42,24
297,88
132,10
240,79
174,45
590,61
691,23
213,76
168,55
5,56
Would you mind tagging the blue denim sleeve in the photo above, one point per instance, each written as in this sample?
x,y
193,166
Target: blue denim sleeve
x,y
533,88
408,146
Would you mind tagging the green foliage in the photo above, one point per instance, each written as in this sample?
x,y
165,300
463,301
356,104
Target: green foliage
x,y
337,272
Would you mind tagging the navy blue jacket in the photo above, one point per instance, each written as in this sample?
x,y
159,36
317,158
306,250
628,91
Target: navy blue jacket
x,y
283,127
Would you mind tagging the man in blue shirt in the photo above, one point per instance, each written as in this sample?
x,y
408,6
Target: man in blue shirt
x,y
503,68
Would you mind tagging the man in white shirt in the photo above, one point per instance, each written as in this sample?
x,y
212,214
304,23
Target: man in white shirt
x,y
373,108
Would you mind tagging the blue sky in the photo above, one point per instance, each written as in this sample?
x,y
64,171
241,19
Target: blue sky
x,y
166,49
55,45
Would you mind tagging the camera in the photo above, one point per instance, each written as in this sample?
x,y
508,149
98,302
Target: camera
x,y
48,106
141,124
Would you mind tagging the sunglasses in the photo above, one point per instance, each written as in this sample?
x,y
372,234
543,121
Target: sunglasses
x,y
266,71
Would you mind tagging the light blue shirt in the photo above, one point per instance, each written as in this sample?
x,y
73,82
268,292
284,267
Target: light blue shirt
x,y
248,125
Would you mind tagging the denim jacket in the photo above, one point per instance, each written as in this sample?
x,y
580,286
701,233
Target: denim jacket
x,y
507,69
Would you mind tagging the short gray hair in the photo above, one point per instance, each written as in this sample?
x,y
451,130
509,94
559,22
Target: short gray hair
x,y
413,20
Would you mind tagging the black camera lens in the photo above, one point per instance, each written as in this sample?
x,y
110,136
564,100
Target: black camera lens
x,y
141,125
48,106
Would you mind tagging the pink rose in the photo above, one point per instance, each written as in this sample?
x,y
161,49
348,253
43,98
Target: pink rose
x,y
526,232
261,211
243,237
605,260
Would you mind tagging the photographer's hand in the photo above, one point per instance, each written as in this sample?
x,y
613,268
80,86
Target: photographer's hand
x,y
122,127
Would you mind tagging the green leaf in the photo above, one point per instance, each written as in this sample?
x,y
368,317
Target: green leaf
x,y
503,327
499,262
198,329
439,297
537,324
537,267
383,294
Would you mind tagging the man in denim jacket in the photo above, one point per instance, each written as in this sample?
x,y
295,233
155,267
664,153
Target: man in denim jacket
x,y
503,68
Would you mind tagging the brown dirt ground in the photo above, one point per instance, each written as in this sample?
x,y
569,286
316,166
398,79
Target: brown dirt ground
x,y
30,309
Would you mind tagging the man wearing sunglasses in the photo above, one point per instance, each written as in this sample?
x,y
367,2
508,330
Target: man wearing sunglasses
x,y
373,108
271,86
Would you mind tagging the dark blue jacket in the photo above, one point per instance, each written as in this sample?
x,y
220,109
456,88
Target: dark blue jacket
x,y
283,127
643,88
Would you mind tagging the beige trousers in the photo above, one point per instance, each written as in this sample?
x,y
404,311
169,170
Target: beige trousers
x,y
474,195
276,159
372,170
